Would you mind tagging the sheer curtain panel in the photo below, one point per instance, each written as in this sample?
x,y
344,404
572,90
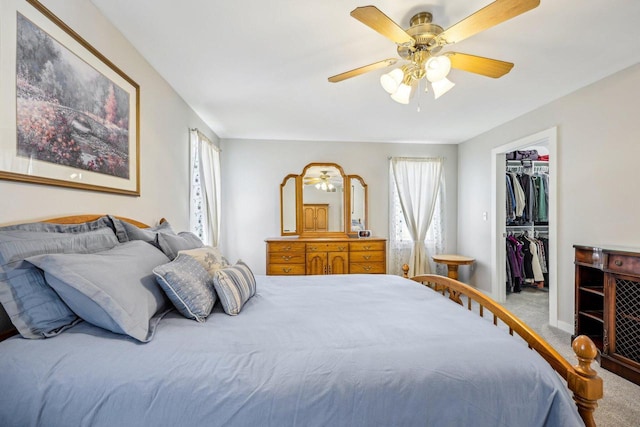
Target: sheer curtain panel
x,y
205,188
416,184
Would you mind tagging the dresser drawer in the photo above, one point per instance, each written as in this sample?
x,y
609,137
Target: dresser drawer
x,y
286,269
367,245
328,247
589,256
367,268
367,256
286,257
623,264
286,247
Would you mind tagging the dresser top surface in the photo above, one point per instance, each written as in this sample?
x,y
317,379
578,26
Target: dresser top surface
x,y
617,249
322,239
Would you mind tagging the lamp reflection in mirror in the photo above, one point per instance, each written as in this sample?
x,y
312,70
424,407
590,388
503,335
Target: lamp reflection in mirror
x,y
328,187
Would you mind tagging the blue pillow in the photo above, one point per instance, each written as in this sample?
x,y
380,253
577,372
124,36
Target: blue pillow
x,y
188,285
234,286
33,307
171,244
102,222
114,289
128,232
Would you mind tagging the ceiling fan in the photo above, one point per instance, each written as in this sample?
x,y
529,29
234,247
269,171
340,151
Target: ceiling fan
x,y
322,182
422,42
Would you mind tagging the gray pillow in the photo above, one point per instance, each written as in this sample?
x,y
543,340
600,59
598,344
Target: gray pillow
x,y
188,285
234,286
102,222
33,307
171,243
128,232
115,289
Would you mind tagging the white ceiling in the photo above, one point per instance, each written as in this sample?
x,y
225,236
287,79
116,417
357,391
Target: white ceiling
x,y
258,69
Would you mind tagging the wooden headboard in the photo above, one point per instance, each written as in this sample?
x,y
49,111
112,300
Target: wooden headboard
x,y
6,328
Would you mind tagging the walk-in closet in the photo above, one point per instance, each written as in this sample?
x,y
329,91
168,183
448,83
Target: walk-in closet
x,y
527,220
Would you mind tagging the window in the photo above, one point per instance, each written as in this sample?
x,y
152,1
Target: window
x,y
421,174
205,188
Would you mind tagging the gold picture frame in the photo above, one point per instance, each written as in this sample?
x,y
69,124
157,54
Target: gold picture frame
x,y
68,116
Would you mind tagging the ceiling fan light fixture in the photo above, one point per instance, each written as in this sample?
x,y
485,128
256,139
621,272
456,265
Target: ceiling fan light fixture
x,y
442,86
437,68
403,94
391,80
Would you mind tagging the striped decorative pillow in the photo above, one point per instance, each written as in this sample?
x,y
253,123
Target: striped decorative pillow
x,y
234,286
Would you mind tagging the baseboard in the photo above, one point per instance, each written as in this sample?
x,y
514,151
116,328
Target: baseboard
x,y
564,326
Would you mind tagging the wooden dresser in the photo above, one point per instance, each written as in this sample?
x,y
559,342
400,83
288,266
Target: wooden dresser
x,y
607,291
306,256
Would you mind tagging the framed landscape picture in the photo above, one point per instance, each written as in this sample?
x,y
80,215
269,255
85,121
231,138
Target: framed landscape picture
x,y
68,116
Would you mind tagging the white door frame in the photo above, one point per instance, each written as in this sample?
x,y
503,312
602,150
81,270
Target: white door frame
x,y
548,138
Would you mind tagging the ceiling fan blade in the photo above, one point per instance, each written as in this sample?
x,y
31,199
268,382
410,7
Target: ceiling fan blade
x,y
479,65
372,17
487,17
356,72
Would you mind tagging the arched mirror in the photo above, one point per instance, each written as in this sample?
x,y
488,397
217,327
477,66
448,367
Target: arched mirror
x,y
358,203
323,197
323,201
288,200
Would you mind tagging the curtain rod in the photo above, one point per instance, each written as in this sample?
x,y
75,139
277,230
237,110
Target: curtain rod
x,y
416,158
205,137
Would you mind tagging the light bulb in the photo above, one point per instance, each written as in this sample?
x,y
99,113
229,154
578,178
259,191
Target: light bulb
x,y
403,94
437,68
441,87
391,80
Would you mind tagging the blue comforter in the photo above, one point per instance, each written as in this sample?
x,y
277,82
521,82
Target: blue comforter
x,y
356,350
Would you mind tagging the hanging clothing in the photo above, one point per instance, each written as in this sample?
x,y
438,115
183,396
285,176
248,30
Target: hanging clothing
x,y
515,264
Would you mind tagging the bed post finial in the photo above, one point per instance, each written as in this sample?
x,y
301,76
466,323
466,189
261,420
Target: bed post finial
x,y
585,382
405,271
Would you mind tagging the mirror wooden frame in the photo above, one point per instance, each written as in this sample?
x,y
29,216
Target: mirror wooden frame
x,y
299,203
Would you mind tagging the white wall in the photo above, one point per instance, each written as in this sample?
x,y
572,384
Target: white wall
x,y
253,170
164,141
597,176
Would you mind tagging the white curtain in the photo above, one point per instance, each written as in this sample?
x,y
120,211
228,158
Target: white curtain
x,y
417,183
205,188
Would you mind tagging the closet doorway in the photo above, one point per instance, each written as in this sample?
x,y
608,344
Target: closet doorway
x,y
548,140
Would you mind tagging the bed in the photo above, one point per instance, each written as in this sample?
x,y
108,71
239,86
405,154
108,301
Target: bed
x,y
342,350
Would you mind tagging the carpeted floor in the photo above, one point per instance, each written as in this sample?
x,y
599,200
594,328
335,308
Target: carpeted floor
x,y
620,406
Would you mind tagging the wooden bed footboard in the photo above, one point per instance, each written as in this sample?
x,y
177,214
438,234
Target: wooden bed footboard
x,y
581,379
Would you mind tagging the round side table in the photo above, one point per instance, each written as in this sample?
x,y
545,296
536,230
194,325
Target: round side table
x,y
452,262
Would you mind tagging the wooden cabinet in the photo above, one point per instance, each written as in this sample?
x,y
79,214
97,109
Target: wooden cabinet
x,y
315,217
328,258
307,256
607,286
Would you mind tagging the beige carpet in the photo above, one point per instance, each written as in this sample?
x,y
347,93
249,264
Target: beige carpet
x,y
620,406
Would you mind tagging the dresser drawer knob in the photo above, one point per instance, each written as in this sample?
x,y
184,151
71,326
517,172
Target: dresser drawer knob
x,y
286,248
341,248
618,262
286,270
313,248
367,257
286,257
366,268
